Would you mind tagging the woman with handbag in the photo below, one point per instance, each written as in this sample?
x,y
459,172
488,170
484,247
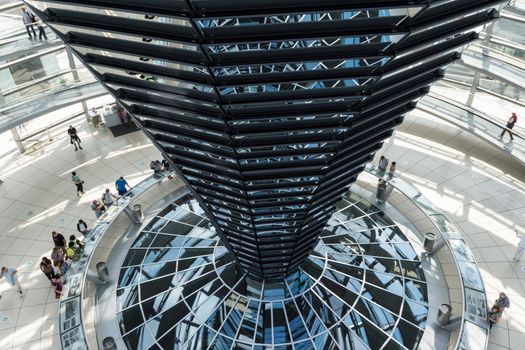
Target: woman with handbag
x,y
510,124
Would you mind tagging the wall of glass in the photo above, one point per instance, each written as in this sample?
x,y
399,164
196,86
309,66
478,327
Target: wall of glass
x,y
491,76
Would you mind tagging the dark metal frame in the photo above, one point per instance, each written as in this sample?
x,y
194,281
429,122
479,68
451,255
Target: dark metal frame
x,y
286,136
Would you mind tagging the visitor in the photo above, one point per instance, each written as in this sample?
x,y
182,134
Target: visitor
x,y
46,266
383,163
121,185
73,137
79,183
29,19
157,166
64,266
59,286
381,189
41,32
521,246
57,256
510,124
58,239
9,274
70,250
503,301
166,166
496,311
107,198
78,245
494,315
82,227
98,208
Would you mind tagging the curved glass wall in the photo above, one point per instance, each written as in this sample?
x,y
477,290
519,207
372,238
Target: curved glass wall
x,y
363,287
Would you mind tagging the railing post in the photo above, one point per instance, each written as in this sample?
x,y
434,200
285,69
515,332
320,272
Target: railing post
x,y
16,138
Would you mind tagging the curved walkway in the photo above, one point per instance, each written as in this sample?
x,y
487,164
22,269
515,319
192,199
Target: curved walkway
x,y
16,114
479,187
487,127
37,197
500,66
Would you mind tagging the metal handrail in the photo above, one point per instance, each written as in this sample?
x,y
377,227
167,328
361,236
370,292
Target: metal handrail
x,y
476,113
46,50
80,271
497,55
452,233
482,89
47,93
40,80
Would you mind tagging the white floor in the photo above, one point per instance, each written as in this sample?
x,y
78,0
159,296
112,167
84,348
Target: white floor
x,y
482,190
479,187
37,197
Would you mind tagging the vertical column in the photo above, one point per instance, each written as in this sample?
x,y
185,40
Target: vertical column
x,y
16,138
475,82
76,77
473,88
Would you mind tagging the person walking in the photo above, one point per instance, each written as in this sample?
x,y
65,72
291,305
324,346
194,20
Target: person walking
x,y
73,137
107,198
46,266
510,124
82,227
58,239
9,274
78,182
383,163
41,31
521,246
29,20
121,185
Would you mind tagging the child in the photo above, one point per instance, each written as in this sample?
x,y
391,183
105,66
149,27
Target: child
x,y
64,266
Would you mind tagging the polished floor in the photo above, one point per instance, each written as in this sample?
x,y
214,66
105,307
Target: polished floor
x,y
481,189
37,197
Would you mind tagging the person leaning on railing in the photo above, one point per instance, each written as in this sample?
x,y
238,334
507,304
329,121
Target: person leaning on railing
x,y
29,20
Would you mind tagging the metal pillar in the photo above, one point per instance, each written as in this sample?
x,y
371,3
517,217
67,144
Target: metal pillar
x,y
76,77
16,138
473,88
